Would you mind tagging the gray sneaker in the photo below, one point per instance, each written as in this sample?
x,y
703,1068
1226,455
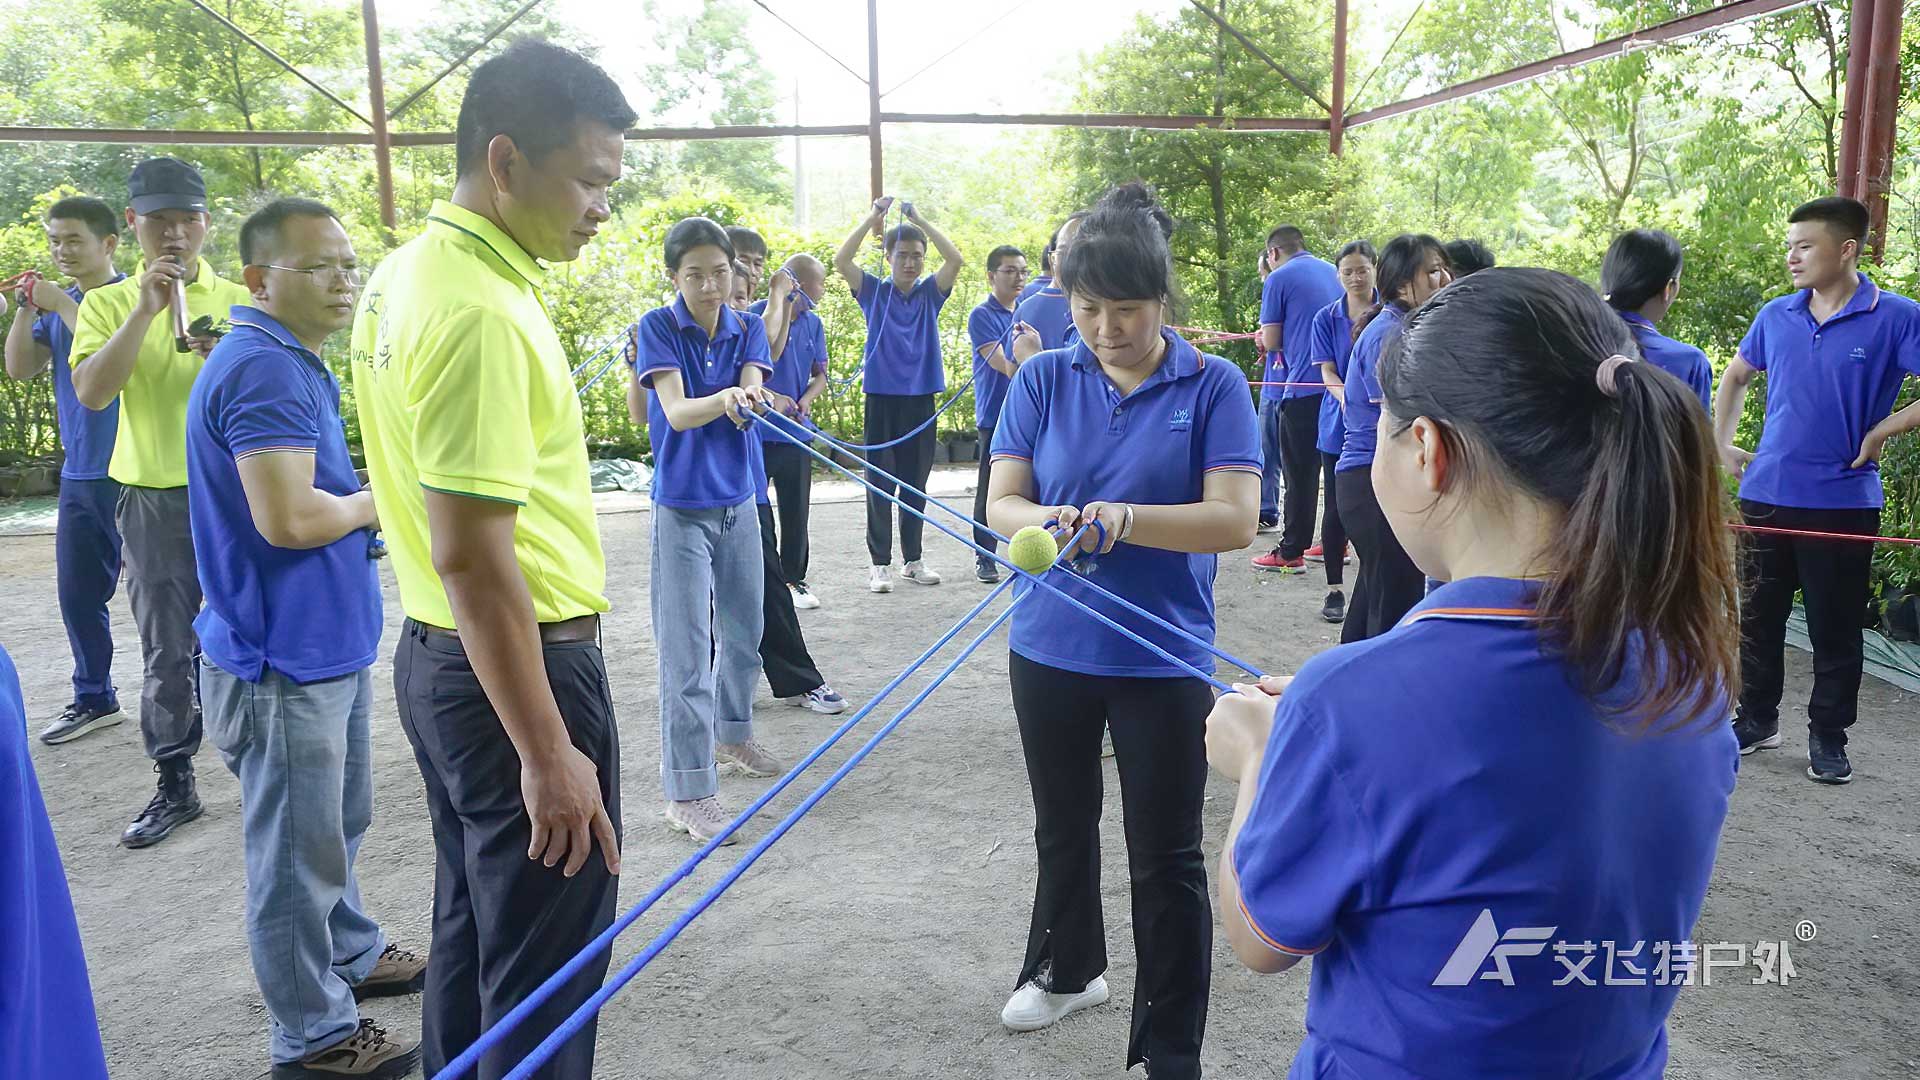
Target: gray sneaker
x,y
78,720
702,819
747,759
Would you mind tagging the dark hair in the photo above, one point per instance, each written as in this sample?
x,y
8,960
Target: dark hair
x,y
1053,242
260,233
95,214
746,241
1002,254
1403,259
1287,238
1121,251
1848,218
538,95
1639,265
693,232
1468,257
1357,247
1507,364
905,234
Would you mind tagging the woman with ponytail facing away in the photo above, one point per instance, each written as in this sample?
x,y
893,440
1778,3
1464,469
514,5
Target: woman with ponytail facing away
x,y
1537,757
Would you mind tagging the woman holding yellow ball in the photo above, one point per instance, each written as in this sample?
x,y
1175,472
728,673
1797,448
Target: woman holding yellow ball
x,y
1149,451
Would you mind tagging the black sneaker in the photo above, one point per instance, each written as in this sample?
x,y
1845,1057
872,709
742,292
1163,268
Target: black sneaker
x,y
1754,735
80,720
174,803
1268,525
1335,609
986,571
1827,759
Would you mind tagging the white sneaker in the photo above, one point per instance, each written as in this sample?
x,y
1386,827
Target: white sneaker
x,y
1031,1008
919,573
877,580
701,819
803,598
821,699
747,759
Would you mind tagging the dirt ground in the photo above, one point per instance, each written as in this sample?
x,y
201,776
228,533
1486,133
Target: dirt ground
x,y
880,938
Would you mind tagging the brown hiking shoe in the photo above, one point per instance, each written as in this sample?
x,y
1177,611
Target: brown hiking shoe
x,y
368,1052
398,971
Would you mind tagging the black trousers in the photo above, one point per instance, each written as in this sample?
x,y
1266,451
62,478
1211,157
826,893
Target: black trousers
x,y
502,922
790,474
1834,578
1300,468
783,650
1159,730
980,534
890,416
1333,528
1388,584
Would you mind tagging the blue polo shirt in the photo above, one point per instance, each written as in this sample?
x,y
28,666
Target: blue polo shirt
x,y
86,435
1682,361
902,352
47,1024
1293,294
1827,386
804,357
262,391
989,323
1363,390
708,466
1034,286
1331,341
1047,311
1407,818
1086,443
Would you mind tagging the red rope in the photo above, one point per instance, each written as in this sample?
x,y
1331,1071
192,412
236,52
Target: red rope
x,y
1856,537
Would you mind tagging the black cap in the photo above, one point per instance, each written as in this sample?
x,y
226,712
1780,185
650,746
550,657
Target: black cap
x,y
165,183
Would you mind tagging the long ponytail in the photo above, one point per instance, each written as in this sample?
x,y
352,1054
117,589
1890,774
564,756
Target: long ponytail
x,y
1535,379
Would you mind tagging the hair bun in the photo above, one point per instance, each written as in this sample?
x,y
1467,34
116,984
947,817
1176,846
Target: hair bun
x,y
1138,197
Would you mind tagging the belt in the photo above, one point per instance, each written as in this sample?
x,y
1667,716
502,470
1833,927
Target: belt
x,y
583,628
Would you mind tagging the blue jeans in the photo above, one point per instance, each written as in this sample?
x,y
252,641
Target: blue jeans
x,y
1270,460
86,559
304,758
706,580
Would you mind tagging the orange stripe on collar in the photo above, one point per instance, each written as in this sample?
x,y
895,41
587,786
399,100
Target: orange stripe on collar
x,y
1480,614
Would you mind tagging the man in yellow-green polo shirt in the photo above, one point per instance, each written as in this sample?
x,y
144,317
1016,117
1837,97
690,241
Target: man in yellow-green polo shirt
x,y
478,461
124,346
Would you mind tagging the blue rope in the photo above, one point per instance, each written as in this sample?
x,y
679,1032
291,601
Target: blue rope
x,y
571,1026
599,353
997,558
464,1063
977,549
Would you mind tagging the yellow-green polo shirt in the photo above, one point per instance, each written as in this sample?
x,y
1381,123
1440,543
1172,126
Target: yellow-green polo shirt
x,y
463,387
150,447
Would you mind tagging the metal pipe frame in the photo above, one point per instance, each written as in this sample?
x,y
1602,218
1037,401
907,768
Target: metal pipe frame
x,y
1846,169
1727,14
1881,99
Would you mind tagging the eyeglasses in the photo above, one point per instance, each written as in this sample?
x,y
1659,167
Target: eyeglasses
x,y
347,275
695,281
1011,271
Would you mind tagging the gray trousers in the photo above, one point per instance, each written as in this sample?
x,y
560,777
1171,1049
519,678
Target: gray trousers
x,y
706,581
304,756
163,589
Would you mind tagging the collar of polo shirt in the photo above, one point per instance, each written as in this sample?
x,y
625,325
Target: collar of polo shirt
x,y
728,325
1865,298
1181,361
254,318
462,220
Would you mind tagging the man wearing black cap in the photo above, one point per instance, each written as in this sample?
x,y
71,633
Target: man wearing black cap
x,y
125,347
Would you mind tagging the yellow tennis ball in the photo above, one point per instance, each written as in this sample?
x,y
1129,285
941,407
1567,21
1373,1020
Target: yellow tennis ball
x,y
1032,549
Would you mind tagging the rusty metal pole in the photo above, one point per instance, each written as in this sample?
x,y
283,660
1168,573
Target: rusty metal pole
x,y
1337,115
1882,98
876,165
377,100
1846,169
